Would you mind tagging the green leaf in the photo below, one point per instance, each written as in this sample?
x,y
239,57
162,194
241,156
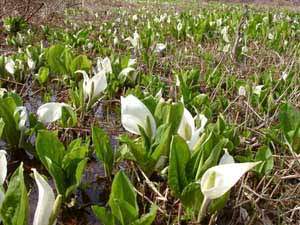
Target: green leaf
x,y
219,203
81,62
43,75
75,179
122,200
289,118
192,196
58,175
179,157
51,153
68,117
10,132
213,158
103,149
137,150
48,146
2,124
163,140
147,219
264,154
58,57
14,210
103,215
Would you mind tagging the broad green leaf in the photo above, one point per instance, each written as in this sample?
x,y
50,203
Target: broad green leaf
x,y
289,118
72,159
103,148
14,210
179,157
123,211
58,174
10,131
48,146
51,153
219,203
75,179
122,200
68,117
43,75
192,196
80,62
137,150
148,218
2,124
164,139
103,215
57,57
264,154
213,158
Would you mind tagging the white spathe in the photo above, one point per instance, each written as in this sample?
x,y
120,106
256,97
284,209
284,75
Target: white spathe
x,y
104,66
242,91
51,112
134,114
187,129
93,87
23,116
10,66
134,41
3,167
226,158
218,180
3,173
257,89
160,47
46,201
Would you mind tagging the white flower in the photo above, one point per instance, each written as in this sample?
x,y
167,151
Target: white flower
x,y
45,202
116,40
23,116
90,45
271,36
177,81
2,92
284,75
226,158
3,174
10,66
93,87
159,94
218,180
242,91
245,49
134,114
160,47
134,41
31,63
179,26
224,33
134,17
257,89
3,167
219,22
51,112
126,71
103,65
187,129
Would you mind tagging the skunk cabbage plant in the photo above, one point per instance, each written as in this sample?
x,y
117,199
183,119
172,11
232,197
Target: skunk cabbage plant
x,y
51,112
135,115
187,129
47,206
